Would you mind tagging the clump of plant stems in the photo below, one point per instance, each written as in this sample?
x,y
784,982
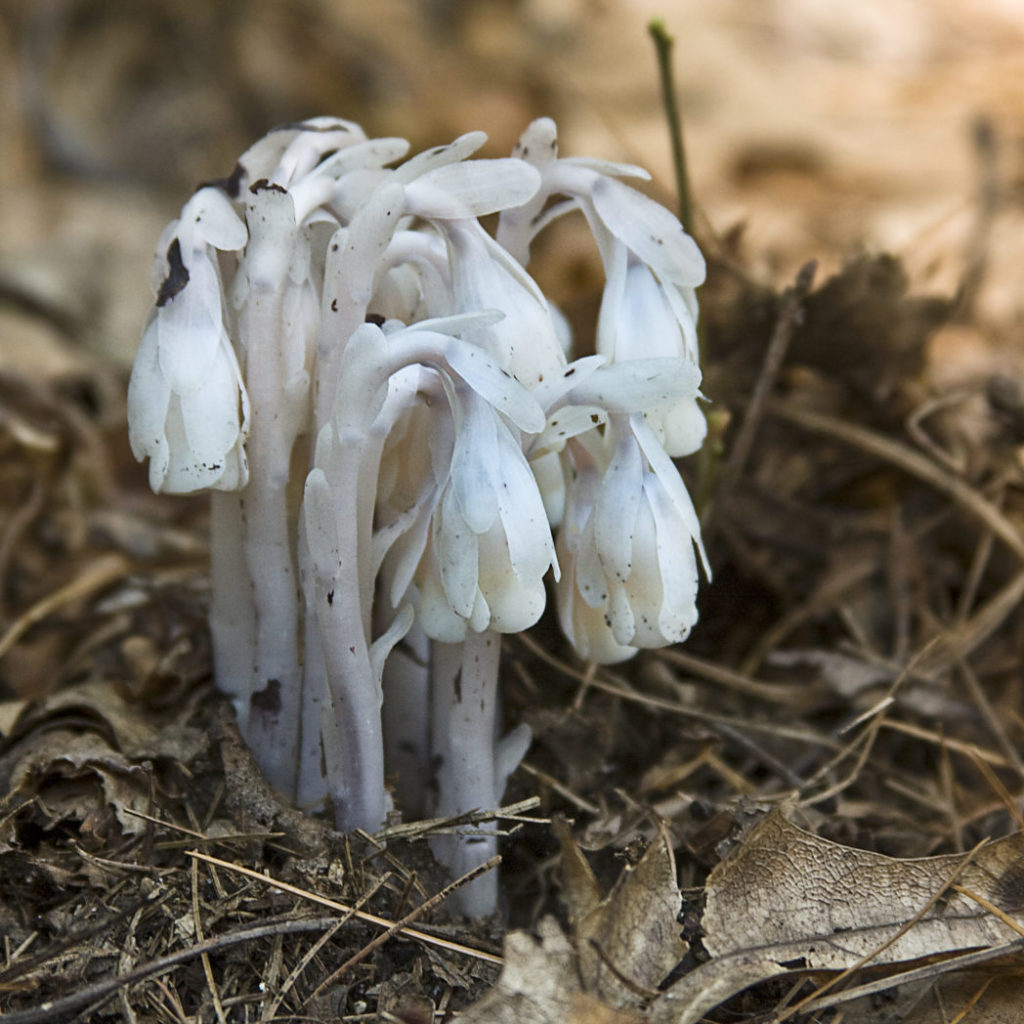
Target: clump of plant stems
x,y
403,446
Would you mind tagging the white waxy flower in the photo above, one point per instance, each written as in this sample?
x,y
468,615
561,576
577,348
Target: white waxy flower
x,y
526,341
187,405
491,540
639,321
652,267
478,532
628,545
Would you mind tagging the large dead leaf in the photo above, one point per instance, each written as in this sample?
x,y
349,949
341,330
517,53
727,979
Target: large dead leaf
x,y
784,902
788,901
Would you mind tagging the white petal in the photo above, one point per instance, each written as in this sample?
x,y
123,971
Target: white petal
x,y
210,413
439,156
639,384
678,567
473,188
550,477
646,325
620,616
673,484
651,231
474,462
500,390
615,517
210,217
606,167
455,548
433,612
550,391
564,423
515,602
590,577
531,549
190,327
484,276
684,428
148,396
643,590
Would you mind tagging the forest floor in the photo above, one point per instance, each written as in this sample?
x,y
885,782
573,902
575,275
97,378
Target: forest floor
x,y
812,811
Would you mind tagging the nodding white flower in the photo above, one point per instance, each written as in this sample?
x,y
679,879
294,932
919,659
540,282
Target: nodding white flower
x,y
652,267
484,276
465,521
638,321
628,545
491,544
187,405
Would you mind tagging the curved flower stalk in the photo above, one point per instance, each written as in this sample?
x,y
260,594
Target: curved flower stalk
x,y
380,399
652,267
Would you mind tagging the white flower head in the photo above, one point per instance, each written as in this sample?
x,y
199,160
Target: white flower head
x,y
187,405
629,546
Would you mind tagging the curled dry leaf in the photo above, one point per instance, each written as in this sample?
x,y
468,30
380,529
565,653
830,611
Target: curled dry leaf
x,y
621,949
77,754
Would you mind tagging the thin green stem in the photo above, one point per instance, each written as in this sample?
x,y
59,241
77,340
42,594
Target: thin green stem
x,y
663,48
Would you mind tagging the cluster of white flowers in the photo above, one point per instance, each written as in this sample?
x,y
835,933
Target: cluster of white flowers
x,y
403,444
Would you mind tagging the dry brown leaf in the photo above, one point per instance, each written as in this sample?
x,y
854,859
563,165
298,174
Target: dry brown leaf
x,y
623,947
77,754
101,703
787,900
634,932
539,984
76,776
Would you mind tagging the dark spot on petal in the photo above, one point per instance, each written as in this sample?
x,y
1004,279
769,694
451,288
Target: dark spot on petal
x,y
375,318
177,275
570,371
265,186
268,699
334,305
330,597
232,184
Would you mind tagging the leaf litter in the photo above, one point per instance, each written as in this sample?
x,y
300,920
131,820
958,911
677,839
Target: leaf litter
x,y
810,812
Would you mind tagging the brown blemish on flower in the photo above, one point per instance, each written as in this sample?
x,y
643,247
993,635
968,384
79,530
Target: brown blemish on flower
x,y
177,275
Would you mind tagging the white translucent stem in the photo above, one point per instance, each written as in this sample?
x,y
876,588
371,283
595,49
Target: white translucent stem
x,y
232,613
339,531
353,732
406,685
464,705
311,786
269,531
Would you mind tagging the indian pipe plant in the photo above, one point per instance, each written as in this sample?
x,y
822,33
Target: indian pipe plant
x,y
402,443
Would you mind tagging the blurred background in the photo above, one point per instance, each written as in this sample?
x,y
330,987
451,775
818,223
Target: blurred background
x,y
814,129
